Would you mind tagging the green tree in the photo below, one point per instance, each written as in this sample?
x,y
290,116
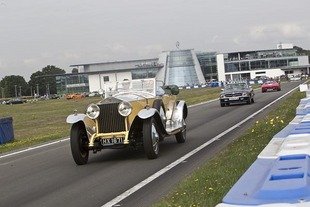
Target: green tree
x,y
14,86
45,80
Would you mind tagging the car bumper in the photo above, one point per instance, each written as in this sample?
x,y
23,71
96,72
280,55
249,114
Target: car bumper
x,y
108,139
275,88
241,99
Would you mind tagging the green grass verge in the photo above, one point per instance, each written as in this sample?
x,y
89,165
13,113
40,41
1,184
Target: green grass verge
x,y
210,182
40,121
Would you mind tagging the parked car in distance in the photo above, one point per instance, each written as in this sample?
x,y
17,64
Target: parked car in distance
x,y
271,86
15,101
94,93
295,77
236,93
54,96
136,113
74,96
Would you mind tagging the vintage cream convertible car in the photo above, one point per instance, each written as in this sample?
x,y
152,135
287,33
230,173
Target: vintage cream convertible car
x,y
134,113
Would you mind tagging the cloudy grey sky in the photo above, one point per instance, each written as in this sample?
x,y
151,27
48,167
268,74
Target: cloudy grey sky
x,y
37,33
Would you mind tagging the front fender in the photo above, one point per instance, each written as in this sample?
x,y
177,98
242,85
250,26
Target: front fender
x,y
147,113
74,118
152,112
180,111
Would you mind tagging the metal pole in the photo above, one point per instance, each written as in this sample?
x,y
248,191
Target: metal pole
x,y
15,91
38,90
20,91
48,89
2,92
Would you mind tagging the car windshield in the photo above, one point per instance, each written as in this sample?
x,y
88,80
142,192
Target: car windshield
x,y
139,85
236,86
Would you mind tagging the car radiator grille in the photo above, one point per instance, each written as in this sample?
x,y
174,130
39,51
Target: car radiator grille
x,y
109,119
232,95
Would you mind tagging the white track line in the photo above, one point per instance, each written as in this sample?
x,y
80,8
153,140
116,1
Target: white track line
x,y
143,183
33,148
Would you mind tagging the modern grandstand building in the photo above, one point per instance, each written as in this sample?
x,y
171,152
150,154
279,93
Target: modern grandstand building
x,y
187,68
246,65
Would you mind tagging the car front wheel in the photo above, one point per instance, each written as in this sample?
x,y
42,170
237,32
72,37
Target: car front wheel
x,y
150,139
79,144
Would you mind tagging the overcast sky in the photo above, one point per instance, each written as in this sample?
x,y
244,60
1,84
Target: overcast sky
x,y
37,33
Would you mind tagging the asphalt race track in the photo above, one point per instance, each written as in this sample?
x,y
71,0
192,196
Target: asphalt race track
x,y
48,176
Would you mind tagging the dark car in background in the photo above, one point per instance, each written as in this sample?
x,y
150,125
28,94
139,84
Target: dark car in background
x,y
236,93
15,101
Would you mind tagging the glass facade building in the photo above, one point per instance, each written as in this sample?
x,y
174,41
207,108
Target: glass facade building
x,y
256,64
182,68
186,68
73,83
144,73
245,61
208,64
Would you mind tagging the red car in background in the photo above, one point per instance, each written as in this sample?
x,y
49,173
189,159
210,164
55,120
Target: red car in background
x,y
271,86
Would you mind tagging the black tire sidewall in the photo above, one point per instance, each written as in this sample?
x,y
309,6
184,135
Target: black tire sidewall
x,y
147,138
76,136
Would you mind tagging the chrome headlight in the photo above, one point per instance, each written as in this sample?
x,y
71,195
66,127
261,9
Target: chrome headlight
x,y
245,94
124,108
222,96
93,111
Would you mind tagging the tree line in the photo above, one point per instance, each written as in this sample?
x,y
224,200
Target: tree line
x,y
40,83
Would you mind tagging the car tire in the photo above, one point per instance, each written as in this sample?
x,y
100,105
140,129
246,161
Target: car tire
x,y
79,144
150,138
227,104
223,104
181,136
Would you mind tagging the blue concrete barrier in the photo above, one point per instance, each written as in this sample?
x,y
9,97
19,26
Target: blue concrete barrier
x,y
280,176
6,130
282,180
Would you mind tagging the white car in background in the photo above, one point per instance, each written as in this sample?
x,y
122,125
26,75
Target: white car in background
x,y
295,78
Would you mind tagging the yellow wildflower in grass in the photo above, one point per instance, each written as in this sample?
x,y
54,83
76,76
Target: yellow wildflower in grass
x,y
210,188
253,130
282,121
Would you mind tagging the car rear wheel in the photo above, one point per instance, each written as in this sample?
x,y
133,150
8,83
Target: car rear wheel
x,y
181,136
79,144
150,138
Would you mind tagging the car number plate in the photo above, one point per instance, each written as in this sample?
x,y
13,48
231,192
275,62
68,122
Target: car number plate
x,y
114,140
234,98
